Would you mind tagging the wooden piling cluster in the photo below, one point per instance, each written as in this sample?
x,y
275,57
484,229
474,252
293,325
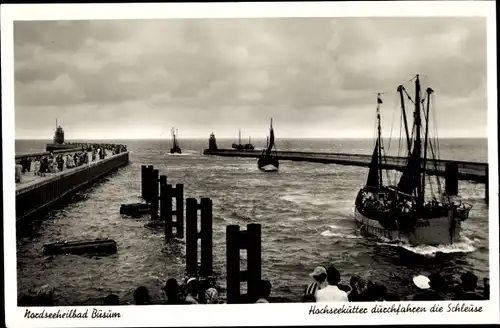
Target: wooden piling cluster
x,y
156,191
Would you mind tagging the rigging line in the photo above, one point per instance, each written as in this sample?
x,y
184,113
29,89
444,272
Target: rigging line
x,y
413,78
409,97
390,137
399,144
438,181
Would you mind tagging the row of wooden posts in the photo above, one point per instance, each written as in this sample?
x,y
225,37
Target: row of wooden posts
x,y
156,191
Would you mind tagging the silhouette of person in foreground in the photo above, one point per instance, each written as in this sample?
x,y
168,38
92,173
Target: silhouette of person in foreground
x,y
437,285
111,299
192,291
141,296
468,287
172,291
264,291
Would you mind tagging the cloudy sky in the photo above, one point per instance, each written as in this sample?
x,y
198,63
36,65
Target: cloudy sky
x,y
316,77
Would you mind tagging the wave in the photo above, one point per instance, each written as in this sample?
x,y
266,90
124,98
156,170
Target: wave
x,y
184,153
464,246
329,233
306,199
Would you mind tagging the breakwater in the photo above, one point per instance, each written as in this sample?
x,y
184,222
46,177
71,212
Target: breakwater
x,y
473,171
38,196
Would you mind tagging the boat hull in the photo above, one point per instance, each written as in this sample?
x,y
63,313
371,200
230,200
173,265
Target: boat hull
x,y
435,231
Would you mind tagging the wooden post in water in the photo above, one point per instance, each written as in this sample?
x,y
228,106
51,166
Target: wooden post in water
x,y
149,173
167,213
232,264
191,235
179,211
167,203
206,237
163,197
254,259
154,194
487,185
451,178
143,180
235,241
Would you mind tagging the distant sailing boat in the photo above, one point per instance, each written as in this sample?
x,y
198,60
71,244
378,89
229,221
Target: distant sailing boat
x,y
401,213
268,162
238,146
175,145
249,145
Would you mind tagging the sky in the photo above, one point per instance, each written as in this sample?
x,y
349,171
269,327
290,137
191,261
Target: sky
x,y
316,77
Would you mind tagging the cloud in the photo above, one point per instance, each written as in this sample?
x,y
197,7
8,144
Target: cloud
x,y
311,74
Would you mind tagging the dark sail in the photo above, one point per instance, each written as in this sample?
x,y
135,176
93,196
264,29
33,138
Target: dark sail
x,y
411,174
268,162
373,174
271,140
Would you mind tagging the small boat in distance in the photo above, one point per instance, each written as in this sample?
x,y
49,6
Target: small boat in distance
x,y
249,145
401,212
58,143
268,162
175,145
238,146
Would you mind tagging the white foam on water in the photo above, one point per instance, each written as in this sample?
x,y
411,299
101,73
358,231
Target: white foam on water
x,y
464,246
329,233
182,154
306,199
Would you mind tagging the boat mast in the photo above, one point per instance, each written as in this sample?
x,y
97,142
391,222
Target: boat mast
x,y
418,142
379,142
429,92
400,90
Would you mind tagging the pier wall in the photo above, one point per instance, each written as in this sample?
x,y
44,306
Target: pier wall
x,y
39,197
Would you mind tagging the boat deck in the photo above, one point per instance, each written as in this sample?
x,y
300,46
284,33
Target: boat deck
x,y
29,179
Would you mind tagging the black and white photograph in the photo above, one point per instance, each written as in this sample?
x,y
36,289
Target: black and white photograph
x,y
225,155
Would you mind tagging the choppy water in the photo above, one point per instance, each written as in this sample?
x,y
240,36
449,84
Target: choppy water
x,y
305,211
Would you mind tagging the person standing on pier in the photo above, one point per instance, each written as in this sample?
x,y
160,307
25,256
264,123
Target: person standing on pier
x,y
332,293
319,276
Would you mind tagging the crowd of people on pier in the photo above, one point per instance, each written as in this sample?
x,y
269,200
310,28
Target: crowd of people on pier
x,y
53,163
325,286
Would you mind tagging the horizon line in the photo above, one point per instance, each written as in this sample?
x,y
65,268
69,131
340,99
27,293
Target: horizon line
x,y
190,138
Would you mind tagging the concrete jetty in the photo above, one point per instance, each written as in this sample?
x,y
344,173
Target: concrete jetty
x,y
36,194
473,171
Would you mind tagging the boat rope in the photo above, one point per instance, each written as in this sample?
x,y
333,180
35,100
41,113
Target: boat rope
x,y
390,136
